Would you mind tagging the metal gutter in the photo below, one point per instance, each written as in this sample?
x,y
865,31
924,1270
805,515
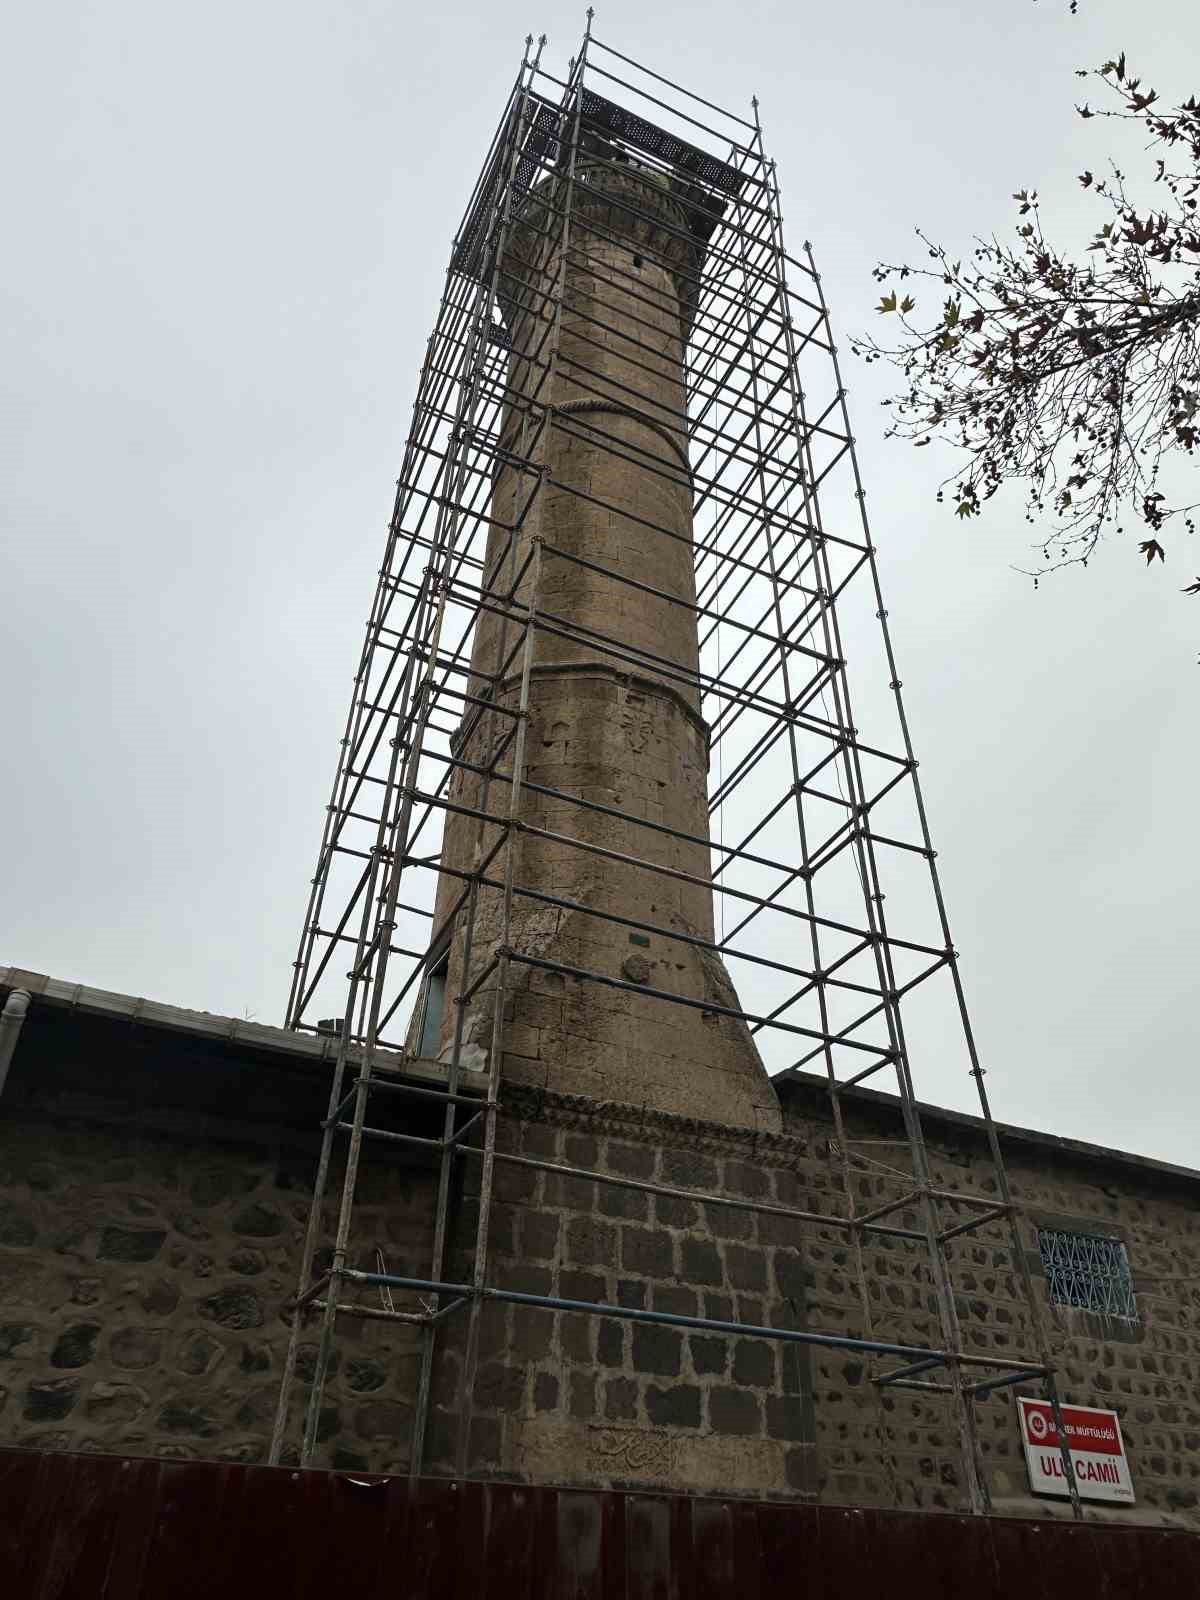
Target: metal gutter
x,y
315,1050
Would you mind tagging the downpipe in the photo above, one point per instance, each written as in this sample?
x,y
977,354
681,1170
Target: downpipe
x,y
12,1019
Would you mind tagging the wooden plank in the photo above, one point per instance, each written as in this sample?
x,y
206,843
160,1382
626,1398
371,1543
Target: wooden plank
x,y
20,1486
101,1494
263,1520
510,1542
648,1570
345,1518
848,1553
580,1543
135,1520
186,1556
747,1551
787,1540
428,1571
712,1535
1026,1562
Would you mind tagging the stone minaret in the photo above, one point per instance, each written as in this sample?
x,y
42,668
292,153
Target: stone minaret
x,y
621,729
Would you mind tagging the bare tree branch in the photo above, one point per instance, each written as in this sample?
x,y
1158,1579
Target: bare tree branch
x,y
1076,378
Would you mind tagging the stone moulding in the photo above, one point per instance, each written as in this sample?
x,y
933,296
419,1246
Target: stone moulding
x,y
626,200
628,680
664,1128
575,408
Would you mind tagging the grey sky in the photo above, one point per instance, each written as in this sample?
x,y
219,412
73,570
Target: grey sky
x,y
226,234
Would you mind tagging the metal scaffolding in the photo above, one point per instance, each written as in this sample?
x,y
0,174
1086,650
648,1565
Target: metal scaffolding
x,y
814,814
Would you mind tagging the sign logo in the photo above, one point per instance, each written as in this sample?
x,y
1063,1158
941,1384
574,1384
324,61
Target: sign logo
x,y
1096,1448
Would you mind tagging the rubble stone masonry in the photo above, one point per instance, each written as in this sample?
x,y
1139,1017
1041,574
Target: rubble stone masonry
x,y
153,1194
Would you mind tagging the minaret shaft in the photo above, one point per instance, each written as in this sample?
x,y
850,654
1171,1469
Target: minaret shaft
x,y
613,702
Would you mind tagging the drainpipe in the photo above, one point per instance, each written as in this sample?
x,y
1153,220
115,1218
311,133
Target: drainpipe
x,y
11,1019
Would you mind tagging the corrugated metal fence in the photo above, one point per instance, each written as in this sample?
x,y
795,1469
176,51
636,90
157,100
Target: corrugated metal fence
x,y
113,1528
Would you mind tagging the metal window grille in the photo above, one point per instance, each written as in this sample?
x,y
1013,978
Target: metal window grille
x,y
1088,1271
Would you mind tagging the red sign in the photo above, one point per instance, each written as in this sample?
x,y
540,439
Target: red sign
x,y
1096,1448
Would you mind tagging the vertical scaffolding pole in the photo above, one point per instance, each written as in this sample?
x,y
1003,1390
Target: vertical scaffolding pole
x,y
449,1150
999,1168
873,899
428,720
496,1054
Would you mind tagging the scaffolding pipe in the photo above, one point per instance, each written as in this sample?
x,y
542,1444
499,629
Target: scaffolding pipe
x,y
764,426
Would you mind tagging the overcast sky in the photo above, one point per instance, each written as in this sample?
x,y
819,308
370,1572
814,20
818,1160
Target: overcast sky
x,y
226,230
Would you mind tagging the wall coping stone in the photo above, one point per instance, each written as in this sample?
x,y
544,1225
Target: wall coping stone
x,y
801,1091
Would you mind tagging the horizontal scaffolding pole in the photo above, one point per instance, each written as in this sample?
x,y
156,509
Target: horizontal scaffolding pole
x,y
671,1319
830,1341
588,847
698,1197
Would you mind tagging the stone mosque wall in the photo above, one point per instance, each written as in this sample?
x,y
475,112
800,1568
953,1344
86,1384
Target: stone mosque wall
x,y
154,1191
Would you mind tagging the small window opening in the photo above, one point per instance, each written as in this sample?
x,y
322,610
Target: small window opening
x,y
1089,1271
637,261
433,1000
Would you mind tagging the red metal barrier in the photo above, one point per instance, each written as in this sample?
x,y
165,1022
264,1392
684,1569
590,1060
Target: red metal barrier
x,y
114,1528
